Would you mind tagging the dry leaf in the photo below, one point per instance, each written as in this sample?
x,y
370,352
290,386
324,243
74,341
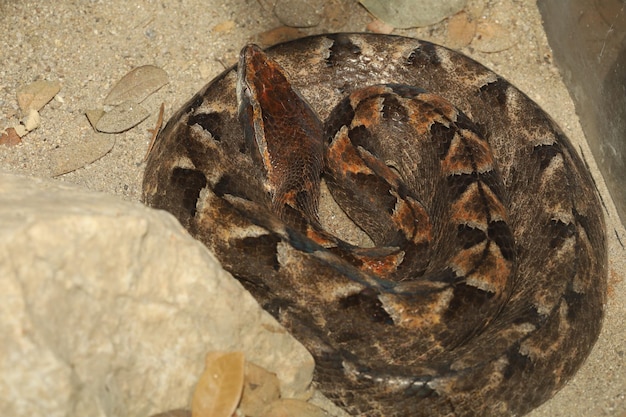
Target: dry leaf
x,y
289,407
93,115
36,95
20,130
461,30
10,138
137,85
69,158
122,117
261,387
32,120
220,386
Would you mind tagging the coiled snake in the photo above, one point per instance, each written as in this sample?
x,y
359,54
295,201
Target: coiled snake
x,y
485,288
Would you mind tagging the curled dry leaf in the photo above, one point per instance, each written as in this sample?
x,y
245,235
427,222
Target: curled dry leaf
x,y
288,407
137,85
69,158
36,95
122,117
261,387
220,386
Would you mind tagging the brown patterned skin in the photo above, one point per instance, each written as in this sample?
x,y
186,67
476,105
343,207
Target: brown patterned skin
x,y
485,292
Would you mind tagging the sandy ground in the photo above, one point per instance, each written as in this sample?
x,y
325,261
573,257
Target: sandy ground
x,y
89,45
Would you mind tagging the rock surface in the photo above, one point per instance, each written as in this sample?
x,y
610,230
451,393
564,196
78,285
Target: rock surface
x,y
108,308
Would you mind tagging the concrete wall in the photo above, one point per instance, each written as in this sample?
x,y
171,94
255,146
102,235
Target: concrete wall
x,y
588,38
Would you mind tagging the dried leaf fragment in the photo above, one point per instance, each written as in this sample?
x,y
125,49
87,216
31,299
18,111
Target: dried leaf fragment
x,y
36,95
122,117
93,115
137,85
10,137
261,387
226,26
20,130
461,30
220,386
32,120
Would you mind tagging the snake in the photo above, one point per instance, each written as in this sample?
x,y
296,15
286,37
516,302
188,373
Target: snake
x,y
481,288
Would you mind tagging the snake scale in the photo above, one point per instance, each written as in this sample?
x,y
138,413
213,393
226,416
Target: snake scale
x,y
483,291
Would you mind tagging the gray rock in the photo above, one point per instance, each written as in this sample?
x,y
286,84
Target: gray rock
x,y
107,308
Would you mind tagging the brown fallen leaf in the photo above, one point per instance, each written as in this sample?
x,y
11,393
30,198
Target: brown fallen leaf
x,y
219,389
137,85
36,95
10,137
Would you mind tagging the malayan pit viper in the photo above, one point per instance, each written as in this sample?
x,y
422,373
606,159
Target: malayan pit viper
x,y
484,290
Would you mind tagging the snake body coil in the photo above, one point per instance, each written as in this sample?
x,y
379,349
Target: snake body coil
x,y
483,293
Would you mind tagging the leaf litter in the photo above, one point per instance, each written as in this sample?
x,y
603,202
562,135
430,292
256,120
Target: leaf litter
x,y
123,113
231,386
